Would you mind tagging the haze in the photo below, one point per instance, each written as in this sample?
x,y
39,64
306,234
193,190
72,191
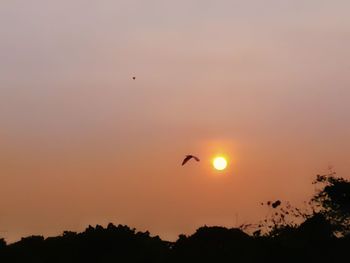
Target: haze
x,y
265,82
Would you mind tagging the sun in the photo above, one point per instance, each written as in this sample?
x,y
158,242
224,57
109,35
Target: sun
x,y
220,163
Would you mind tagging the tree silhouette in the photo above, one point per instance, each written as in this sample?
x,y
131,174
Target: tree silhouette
x,y
2,243
333,201
288,234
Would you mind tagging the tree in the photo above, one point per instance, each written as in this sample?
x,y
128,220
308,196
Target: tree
x,y
333,201
2,243
282,217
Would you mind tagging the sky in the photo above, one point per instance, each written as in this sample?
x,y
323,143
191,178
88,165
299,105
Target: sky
x,y
265,83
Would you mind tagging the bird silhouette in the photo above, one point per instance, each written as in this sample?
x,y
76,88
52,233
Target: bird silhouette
x,y
189,157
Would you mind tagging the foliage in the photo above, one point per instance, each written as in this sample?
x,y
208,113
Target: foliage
x,y
287,234
281,217
333,201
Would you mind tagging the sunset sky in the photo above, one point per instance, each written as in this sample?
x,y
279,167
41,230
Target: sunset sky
x,y
265,83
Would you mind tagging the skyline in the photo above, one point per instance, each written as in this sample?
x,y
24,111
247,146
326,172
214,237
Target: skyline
x,y
265,84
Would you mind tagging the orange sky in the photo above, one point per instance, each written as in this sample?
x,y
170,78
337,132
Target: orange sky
x,y
264,82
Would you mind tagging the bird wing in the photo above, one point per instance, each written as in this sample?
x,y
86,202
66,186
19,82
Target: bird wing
x,y
196,158
186,159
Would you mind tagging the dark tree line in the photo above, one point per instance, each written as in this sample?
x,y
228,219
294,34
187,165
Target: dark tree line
x,y
319,232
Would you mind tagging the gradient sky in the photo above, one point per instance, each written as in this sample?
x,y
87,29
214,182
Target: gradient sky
x,y
265,82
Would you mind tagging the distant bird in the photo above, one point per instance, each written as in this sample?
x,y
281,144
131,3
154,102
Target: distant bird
x,y
189,157
133,78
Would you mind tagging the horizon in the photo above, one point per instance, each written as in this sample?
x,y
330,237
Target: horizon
x,y
83,143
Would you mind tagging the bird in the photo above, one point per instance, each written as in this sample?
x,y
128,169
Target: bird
x,y
133,78
189,157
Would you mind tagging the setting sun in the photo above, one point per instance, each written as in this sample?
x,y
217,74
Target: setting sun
x,y
219,163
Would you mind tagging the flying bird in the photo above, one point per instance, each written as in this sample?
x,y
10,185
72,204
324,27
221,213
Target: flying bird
x,y
189,157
